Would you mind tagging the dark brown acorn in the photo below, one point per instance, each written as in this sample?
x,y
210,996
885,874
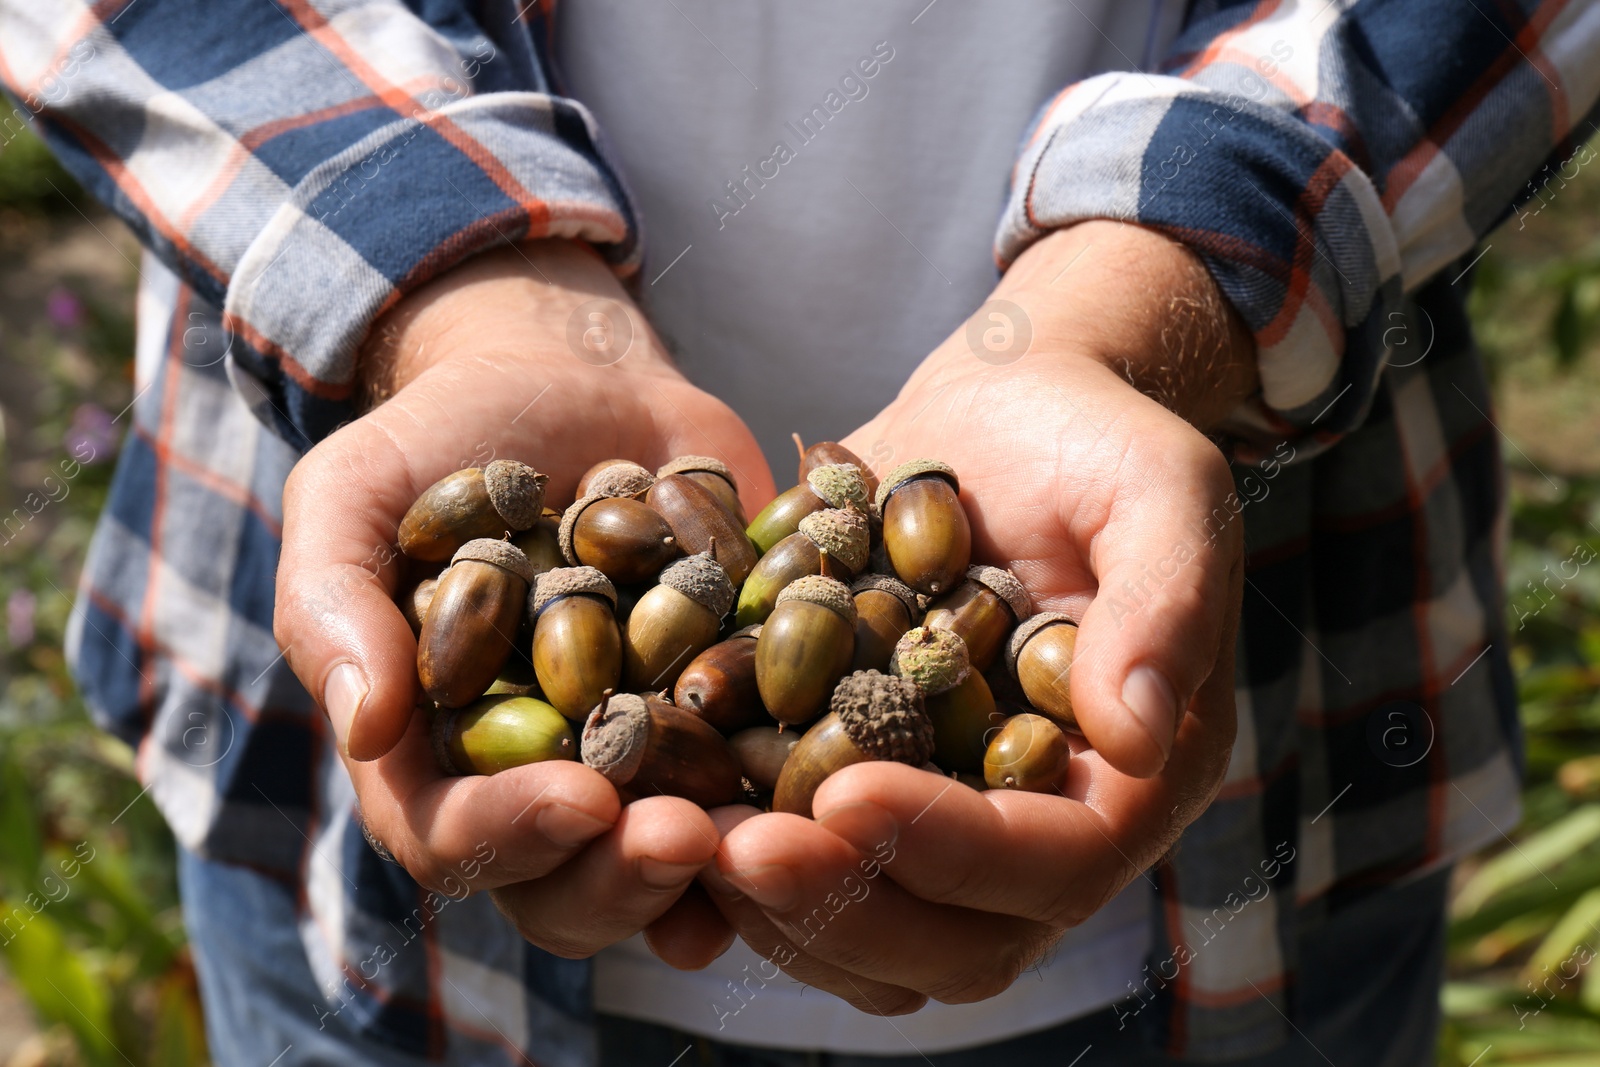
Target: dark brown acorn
x,y
541,542
414,602
719,684
955,696
1039,656
926,534
839,536
1029,753
871,717
472,621
762,752
982,611
646,747
805,647
674,622
714,475
614,477
824,453
885,609
497,733
504,497
702,523
577,646
836,485
622,538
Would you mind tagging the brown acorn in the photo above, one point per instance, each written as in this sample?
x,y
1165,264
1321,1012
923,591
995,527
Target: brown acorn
x,y
702,523
805,647
926,534
577,646
711,473
1029,753
838,536
956,697
622,538
982,611
497,733
472,621
541,543
614,477
414,602
674,622
719,684
492,501
647,747
824,453
835,485
885,609
871,717
1039,656
762,751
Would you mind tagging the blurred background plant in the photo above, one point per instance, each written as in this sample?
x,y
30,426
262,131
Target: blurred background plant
x,y
89,924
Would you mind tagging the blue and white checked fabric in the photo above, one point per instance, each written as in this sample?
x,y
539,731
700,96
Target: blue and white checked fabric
x,y
1333,162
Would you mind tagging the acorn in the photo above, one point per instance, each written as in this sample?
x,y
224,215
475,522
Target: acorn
x,y
647,747
414,602
1029,753
762,751
472,621
982,610
805,647
955,696
614,478
885,609
541,542
674,622
492,501
713,474
577,646
1039,657
622,538
824,453
872,716
838,536
497,733
702,523
926,534
719,684
835,485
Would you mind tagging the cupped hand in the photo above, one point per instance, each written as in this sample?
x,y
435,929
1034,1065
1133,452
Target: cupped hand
x,y
1069,408
498,358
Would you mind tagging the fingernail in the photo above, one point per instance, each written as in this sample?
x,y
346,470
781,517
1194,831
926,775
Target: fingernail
x,y
567,827
659,874
867,826
713,879
346,688
773,886
1150,697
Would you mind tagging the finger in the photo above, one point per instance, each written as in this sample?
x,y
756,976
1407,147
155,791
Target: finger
x,y
691,934
831,900
479,831
621,883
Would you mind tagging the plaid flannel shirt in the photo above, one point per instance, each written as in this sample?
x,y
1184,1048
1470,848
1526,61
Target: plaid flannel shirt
x,y
1334,162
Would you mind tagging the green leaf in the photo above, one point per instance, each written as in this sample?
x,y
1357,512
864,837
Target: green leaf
x,y
57,981
1531,859
21,847
1567,328
1556,953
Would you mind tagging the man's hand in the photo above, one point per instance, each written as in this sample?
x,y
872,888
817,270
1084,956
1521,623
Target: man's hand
x,y
1101,499
478,365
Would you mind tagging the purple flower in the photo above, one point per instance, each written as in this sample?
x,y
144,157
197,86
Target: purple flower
x,y
91,438
64,308
19,617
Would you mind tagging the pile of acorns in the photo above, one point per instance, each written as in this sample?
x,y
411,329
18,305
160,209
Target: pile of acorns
x,y
721,662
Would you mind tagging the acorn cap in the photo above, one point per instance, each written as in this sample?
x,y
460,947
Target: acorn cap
x,y
1004,585
820,589
840,484
621,478
935,660
685,464
703,580
503,554
912,469
569,521
571,581
516,490
913,600
615,737
840,532
752,632
1027,629
884,716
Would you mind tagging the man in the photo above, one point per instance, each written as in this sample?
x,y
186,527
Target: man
x,y
393,236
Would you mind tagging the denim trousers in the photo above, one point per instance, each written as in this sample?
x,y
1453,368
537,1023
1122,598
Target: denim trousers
x,y
1368,994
